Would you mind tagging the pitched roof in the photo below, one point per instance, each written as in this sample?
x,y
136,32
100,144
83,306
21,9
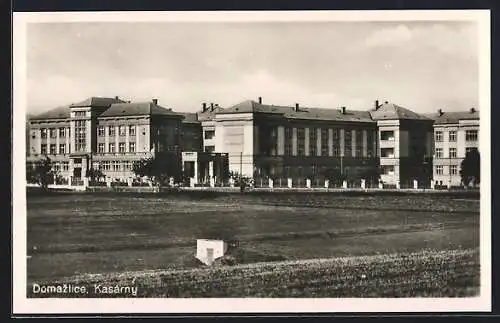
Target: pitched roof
x,y
453,117
391,111
137,108
97,102
57,113
190,117
209,114
250,106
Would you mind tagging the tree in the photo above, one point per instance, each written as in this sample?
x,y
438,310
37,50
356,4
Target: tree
x,y
94,174
470,168
42,173
159,167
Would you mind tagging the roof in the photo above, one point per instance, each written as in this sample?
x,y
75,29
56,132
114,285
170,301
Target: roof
x,y
137,108
391,111
303,113
209,114
57,113
97,102
453,117
190,117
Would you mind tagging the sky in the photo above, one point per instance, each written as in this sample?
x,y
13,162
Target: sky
x,y
423,66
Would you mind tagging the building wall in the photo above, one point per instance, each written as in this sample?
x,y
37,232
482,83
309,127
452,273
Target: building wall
x,y
446,169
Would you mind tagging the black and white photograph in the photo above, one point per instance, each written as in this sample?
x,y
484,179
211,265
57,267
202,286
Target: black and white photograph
x,y
238,162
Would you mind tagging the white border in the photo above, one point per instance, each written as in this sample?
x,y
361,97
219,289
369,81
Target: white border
x,y
23,305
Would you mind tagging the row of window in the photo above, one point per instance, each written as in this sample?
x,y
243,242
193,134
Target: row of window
x,y
122,130
53,149
63,166
313,147
470,135
453,170
101,147
438,152
113,165
52,132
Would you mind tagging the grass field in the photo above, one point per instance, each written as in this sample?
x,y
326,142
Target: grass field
x,y
82,234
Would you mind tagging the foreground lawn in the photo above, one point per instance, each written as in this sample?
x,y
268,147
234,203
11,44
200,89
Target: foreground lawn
x,y
427,273
73,234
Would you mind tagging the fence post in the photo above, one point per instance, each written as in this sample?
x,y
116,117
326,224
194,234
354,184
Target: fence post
x,y
415,184
271,183
308,183
344,184
129,181
449,184
327,183
108,181
398,184
289,183
85,181
432,184
380,185
363,184
191,181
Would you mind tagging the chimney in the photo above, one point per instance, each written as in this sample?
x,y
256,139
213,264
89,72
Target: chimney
x,y
342,110
472,110
117,98
440,112
386,102
296,109
211,106
203,107
376,104
155,101
260,100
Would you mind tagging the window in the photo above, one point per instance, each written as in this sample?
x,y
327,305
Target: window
x,y
387,135
439,170
387,152
209,149
324,142
131,147
101,131
387,169
453,170
336,142
313,145
347,143
453,152
301,141
209,134
111,131
121,130
131,130
43,149
101,147
53,133
121,147
80,135
452,136
359,143
470,135
336,151
62,149
127,165
65,166
115,166
370,140
106,165
439,136
53,149
111,148
80,113
438,153
43,133
288,141
62,132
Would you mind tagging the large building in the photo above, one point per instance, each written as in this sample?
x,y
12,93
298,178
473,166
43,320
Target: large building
x,y
103,133
455,133
258,140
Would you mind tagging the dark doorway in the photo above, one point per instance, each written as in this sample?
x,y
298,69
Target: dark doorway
x,y
77,172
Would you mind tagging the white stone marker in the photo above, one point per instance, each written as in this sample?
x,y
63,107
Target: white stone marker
x,y
271,183
308,183
289,183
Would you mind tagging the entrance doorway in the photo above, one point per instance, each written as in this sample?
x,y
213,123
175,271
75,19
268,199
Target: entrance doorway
x,y
77,172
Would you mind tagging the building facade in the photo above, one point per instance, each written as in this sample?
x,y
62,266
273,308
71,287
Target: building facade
x,y
455,133
103,133
257,140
